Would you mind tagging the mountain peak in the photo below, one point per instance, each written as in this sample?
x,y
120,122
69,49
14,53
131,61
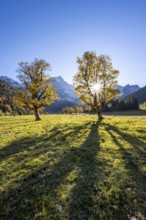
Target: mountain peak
x,y
10,81
128,89
66,90
59,79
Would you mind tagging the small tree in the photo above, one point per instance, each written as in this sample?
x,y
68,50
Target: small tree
x,y
65,110
68,110
76,109
37,91
144,105
71,110
80,110
95,81
88,108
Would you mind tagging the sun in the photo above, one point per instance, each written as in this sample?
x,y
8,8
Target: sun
x,y
95,88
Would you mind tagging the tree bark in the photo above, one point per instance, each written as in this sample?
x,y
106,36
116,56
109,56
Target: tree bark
x,y
99,113
37,117
98,108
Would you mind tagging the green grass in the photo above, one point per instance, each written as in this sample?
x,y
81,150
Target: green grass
x,y
73,167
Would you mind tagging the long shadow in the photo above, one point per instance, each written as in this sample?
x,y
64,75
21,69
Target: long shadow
x,y
27,143
81,204
133,159
20,153
36,194
139,146
26,199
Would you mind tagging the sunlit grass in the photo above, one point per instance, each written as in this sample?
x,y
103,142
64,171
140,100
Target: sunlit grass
x,y
72,167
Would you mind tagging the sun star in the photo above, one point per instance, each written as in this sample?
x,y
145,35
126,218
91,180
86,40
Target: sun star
x,y
96,88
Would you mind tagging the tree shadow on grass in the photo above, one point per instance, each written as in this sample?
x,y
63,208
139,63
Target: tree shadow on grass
x,y
37,191
82,202
26,143
134,158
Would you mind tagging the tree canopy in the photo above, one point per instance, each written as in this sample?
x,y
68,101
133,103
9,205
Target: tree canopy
x,y
37,91
96,80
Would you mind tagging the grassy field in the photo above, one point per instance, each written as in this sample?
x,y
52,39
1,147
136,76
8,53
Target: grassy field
x,y
73,168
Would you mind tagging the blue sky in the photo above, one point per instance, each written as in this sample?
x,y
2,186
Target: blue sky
x,y
59,31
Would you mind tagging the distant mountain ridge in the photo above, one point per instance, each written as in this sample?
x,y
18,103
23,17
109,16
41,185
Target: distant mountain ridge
x,y
11,82
63,89
128,89
66,92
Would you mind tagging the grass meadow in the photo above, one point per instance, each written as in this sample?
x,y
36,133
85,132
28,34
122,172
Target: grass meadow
x,y
71,167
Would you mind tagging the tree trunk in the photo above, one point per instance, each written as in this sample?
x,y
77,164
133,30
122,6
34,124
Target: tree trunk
x,y
37,117
99,113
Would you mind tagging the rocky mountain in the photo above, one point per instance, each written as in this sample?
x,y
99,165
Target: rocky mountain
x,y
127,90
11,82
66,93
64,89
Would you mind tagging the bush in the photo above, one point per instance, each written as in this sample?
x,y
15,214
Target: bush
x,y
72,110
7,113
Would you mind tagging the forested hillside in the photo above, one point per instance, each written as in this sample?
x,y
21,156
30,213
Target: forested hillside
x,y
7,93
140,95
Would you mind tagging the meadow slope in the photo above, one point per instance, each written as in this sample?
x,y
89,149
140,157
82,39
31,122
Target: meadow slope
x,y
72,167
